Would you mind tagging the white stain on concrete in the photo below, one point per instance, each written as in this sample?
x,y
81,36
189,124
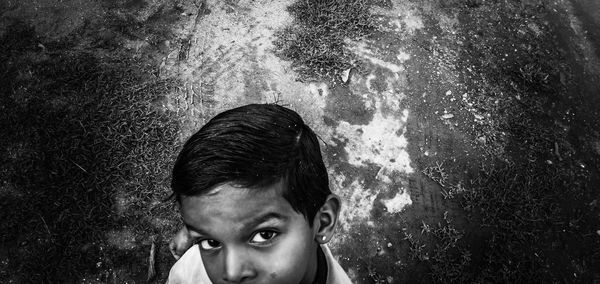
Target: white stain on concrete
x,y
382,142
403,56
361,49
412,22
448,23
403,17
392,100
368,80
398,202
388,65
357,201
319,91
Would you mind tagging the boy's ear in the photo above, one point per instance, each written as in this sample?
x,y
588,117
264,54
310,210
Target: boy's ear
x,y
326,219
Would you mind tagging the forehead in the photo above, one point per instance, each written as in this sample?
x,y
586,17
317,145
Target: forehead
x,y
230,204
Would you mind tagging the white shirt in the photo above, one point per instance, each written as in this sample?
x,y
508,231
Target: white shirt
x,y
189,269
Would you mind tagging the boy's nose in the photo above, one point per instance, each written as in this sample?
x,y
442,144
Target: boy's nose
x,y
237,267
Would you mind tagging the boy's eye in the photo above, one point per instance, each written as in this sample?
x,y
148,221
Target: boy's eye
x,y
263,236
209,244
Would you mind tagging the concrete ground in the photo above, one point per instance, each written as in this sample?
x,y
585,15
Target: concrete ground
x,y
398,134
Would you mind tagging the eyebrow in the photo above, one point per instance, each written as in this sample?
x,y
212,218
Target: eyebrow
x,y
264,218
190,227
248,225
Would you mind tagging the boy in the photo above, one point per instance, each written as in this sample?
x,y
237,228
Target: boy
x,y
254,195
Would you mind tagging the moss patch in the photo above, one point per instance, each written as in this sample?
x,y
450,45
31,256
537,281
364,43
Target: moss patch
x,y
315,40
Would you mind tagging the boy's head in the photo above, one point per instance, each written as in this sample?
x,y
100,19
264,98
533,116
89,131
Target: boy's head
x,y
254,193
255,146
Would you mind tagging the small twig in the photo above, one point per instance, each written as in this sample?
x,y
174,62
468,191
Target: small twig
x,y
151,260
556,151
79,166
45,225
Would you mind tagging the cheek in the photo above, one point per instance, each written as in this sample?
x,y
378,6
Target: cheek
x,y
291,261
213,269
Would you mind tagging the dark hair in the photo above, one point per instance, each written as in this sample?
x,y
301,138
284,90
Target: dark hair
x,y
255,146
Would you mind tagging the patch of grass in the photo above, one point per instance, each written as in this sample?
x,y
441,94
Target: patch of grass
x,y
416,247
442,250
537,223
540,228
437,174
534,205
83,153
315,42
450,260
